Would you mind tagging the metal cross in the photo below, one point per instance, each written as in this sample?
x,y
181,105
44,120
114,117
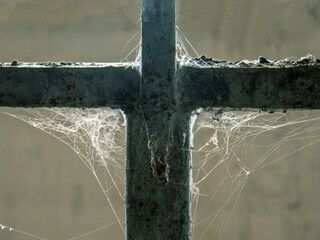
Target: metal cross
x,y
158,102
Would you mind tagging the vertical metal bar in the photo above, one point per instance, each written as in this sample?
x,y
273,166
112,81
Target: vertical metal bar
x,y
154,209
158,36
158,152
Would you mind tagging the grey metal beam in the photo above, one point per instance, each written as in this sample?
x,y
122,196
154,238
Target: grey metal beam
x,y
158,152
156,209
158,26
78,85
158,63
293,87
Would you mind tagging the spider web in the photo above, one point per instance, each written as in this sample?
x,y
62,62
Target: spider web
x,y
96,136
230,147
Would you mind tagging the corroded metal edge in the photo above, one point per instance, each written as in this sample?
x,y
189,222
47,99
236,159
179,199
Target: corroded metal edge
x,y
261,62
17,64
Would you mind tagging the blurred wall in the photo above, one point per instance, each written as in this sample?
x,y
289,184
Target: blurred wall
x,y
44,187
229,29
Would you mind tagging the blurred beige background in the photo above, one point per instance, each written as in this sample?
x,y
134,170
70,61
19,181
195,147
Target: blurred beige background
x,y
44,187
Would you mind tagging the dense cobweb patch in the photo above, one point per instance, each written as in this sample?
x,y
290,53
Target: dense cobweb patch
x,y
96,135
230,146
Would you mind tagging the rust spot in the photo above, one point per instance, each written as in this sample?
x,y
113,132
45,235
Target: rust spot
x,y
70,86
160,168
53,102
15,63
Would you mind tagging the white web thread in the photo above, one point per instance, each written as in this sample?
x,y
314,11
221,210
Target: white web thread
x,y
134,53
3,227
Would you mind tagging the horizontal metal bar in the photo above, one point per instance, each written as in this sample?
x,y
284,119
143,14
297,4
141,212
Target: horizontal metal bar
x,y
118,86
77,85
296,87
